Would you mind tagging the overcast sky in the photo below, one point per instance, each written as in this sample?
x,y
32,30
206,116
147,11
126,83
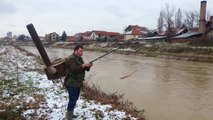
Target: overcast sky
x,y
75,16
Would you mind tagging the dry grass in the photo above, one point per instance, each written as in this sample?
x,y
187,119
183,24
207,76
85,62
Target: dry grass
x,y
10,111
12,108
116,100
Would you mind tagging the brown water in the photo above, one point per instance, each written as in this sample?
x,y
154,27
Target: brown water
x,y
166,89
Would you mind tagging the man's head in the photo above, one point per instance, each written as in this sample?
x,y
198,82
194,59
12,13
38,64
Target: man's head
x,y
78,50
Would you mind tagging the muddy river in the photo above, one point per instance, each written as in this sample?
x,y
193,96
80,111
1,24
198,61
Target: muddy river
x,y
166,89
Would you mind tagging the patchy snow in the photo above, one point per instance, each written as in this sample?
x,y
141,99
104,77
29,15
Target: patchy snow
x,y
20,68
128,49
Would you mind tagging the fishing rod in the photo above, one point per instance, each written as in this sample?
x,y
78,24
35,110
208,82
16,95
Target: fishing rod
x,y
110,52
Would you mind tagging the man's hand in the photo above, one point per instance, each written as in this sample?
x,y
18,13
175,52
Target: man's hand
x,y
88,65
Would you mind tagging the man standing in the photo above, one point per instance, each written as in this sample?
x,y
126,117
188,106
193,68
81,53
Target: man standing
x,y
76,68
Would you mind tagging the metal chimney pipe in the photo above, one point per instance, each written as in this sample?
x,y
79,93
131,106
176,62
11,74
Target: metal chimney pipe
x,y
202,21
211,20
40,48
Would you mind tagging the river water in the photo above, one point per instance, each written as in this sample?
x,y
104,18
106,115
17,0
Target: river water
x,y
166,89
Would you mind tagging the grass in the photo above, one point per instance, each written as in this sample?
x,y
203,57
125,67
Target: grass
x,y
115,99
10,112
11,108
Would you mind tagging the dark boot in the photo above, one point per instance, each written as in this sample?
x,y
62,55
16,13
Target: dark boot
x,y
69,115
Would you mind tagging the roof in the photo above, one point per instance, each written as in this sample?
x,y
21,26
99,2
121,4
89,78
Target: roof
x,y
185,35
131,27
87,33
194,29
98,31
71,38
52,33
152,38
136,30
108,34
188,34
181,31
104,33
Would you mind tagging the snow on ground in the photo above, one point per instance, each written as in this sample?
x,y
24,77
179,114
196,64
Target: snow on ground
x,y
50,99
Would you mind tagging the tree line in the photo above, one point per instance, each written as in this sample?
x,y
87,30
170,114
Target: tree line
x,y
170,18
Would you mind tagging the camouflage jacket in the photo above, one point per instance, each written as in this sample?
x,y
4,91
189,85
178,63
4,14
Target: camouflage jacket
x,y
75,73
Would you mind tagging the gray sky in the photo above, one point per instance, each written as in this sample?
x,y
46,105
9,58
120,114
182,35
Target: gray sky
x,y
75,16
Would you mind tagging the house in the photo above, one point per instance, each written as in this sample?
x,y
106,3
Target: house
x,y
84,37
98,35
42,38
205,28
180,31
105,36
134,32
195,33
71,39
52,37
154,36
95,34
209,28
186,36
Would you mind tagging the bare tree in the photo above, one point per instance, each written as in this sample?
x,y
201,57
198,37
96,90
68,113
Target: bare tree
x,y
178,18
208,15
160,23
168,19
191,19
197,18
168,16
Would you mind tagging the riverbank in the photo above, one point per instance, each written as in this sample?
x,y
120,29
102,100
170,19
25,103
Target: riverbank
x,y
27,94
178,51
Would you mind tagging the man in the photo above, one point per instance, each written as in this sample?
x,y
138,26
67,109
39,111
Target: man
x,y
75,76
